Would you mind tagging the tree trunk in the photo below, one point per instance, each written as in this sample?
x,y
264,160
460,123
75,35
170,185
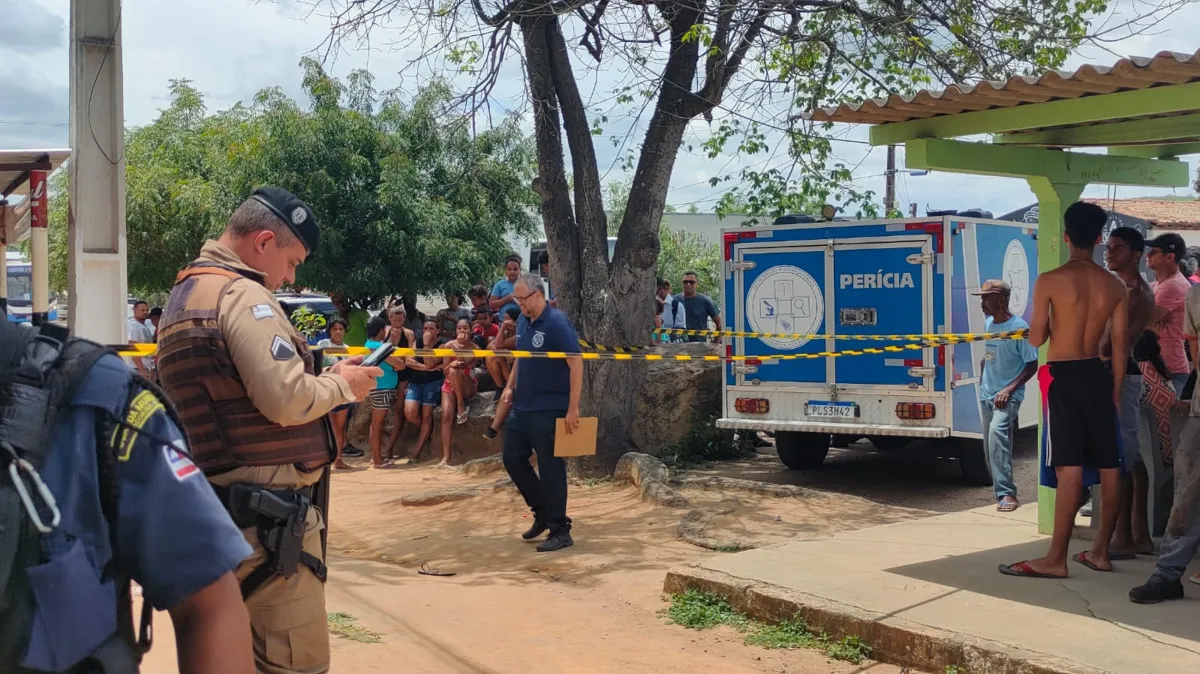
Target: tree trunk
x,y
609,302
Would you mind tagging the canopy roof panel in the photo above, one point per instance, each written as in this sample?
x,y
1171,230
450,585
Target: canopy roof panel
x,y
1129,74
15,166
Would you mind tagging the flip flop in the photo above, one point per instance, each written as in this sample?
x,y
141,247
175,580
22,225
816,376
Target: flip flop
x,y
1082,558
462,417
1007,506
426,571
1024,570
1194,578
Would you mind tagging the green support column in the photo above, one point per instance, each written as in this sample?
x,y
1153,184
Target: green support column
x,y
1053,200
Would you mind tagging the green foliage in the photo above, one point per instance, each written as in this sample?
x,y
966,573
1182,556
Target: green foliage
x,y
953,669
700,610
307,321
705,443
342,625
408,199
683,251
616,198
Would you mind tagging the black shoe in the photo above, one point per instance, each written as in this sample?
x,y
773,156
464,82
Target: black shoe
x,y
490,433
352,451
1156,590
539,527
556,542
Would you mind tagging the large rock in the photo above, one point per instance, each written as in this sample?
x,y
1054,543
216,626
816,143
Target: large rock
x,y
674,395
466,441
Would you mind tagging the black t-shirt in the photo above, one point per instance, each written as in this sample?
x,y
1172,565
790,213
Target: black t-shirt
x,y
420,376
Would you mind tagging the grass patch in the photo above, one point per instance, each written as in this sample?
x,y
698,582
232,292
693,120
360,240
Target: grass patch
x,y
342,625
597,481
698,609
734,547
953,669
705,443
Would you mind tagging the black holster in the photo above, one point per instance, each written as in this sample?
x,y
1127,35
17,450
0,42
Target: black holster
x,y
280,518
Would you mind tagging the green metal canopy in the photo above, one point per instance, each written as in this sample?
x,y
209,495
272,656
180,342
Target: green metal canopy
x,y
1144,111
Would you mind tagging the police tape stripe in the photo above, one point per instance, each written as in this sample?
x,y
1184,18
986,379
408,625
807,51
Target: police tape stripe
x,y
616,349
141,350
946,338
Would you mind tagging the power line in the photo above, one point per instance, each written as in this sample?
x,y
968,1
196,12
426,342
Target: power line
x,y
26,122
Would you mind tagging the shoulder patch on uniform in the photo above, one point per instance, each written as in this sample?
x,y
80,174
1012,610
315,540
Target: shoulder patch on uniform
x,y
145,404
178,462
262,311
282,349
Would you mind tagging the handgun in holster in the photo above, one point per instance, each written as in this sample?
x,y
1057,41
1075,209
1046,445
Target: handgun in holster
x,y
281,520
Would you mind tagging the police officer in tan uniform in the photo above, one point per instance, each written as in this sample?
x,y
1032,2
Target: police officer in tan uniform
x,y
255,413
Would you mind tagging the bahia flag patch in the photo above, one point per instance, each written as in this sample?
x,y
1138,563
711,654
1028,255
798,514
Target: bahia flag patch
x,y
178,462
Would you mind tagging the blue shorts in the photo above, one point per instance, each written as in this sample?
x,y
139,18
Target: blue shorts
x,y
429,393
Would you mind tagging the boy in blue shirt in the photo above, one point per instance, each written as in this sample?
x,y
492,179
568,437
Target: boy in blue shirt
x,y
501,299
1007,365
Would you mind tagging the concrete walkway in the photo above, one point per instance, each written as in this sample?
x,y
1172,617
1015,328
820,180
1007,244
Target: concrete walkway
x,y
926,593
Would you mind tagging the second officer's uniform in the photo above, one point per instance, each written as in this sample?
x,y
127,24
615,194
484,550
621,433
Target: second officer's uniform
x,y
243,380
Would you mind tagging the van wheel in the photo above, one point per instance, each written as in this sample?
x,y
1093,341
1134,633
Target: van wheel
x,y
972,460
888,443
802,451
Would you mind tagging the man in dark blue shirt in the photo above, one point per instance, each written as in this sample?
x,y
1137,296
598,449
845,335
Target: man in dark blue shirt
x,y
697,308
542,391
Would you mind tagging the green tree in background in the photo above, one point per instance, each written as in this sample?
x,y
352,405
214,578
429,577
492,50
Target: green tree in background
x,y
408,199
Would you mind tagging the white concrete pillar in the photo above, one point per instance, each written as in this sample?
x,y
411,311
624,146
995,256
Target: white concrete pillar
x,y
96,277
39,246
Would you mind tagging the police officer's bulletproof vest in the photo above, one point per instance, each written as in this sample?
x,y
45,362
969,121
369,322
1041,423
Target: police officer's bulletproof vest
x,y
224,428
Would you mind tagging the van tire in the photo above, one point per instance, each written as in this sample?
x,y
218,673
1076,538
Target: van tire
x,y
802,451
973,461
889,443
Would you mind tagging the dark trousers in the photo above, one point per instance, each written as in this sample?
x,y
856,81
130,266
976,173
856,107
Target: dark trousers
x,y
546,496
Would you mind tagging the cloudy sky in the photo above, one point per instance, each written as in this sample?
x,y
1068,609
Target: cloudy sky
x,y
232,48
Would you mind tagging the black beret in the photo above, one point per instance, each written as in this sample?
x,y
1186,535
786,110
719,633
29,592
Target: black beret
x,y
298,216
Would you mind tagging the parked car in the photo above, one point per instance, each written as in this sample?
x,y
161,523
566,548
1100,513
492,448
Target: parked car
x,y
317,303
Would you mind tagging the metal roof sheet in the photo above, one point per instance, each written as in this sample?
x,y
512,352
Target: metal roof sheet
x,y
1128,74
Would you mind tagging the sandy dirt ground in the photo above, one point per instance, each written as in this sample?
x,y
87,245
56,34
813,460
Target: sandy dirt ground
x,y
592,608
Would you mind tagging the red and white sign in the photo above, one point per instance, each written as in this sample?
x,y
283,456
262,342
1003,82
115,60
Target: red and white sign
x,y
39,216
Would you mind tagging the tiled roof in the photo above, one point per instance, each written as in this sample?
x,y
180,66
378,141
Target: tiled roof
x,y
1137,72
1161,213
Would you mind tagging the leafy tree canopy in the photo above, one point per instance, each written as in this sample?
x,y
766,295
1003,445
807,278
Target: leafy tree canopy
x,y
409,200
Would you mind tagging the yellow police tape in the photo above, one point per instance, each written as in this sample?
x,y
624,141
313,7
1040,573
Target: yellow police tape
x,y
143,350
947,339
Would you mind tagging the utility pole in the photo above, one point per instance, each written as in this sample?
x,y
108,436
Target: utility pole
x,y
96,219
889,198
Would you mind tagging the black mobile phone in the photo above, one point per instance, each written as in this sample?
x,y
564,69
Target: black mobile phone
x,y
379,355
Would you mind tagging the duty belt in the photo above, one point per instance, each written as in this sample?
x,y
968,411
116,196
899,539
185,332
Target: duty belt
x,y
280,518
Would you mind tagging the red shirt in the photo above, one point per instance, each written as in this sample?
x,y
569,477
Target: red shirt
x,y
1169,294
489,333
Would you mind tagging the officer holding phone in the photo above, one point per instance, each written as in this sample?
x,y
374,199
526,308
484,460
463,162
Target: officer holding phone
x,y
256,418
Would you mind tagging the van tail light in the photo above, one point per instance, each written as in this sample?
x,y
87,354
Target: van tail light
x,y
752,405
915,410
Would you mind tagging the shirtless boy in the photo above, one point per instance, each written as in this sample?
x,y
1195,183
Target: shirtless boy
x,y
1123,256
1072,307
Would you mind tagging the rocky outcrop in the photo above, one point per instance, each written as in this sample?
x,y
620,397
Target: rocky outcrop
x,y
674,395
650,477
466,441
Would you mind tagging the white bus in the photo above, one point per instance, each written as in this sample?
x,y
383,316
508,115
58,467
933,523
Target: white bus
x,y
20,290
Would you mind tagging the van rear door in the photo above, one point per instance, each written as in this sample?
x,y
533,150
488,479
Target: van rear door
x,y
883,286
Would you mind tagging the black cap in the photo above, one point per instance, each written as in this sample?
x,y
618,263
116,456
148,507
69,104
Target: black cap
x,y
1169,243
298,216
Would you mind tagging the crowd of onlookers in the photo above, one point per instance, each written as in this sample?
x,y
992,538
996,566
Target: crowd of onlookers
x,y
1158,389
412,386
